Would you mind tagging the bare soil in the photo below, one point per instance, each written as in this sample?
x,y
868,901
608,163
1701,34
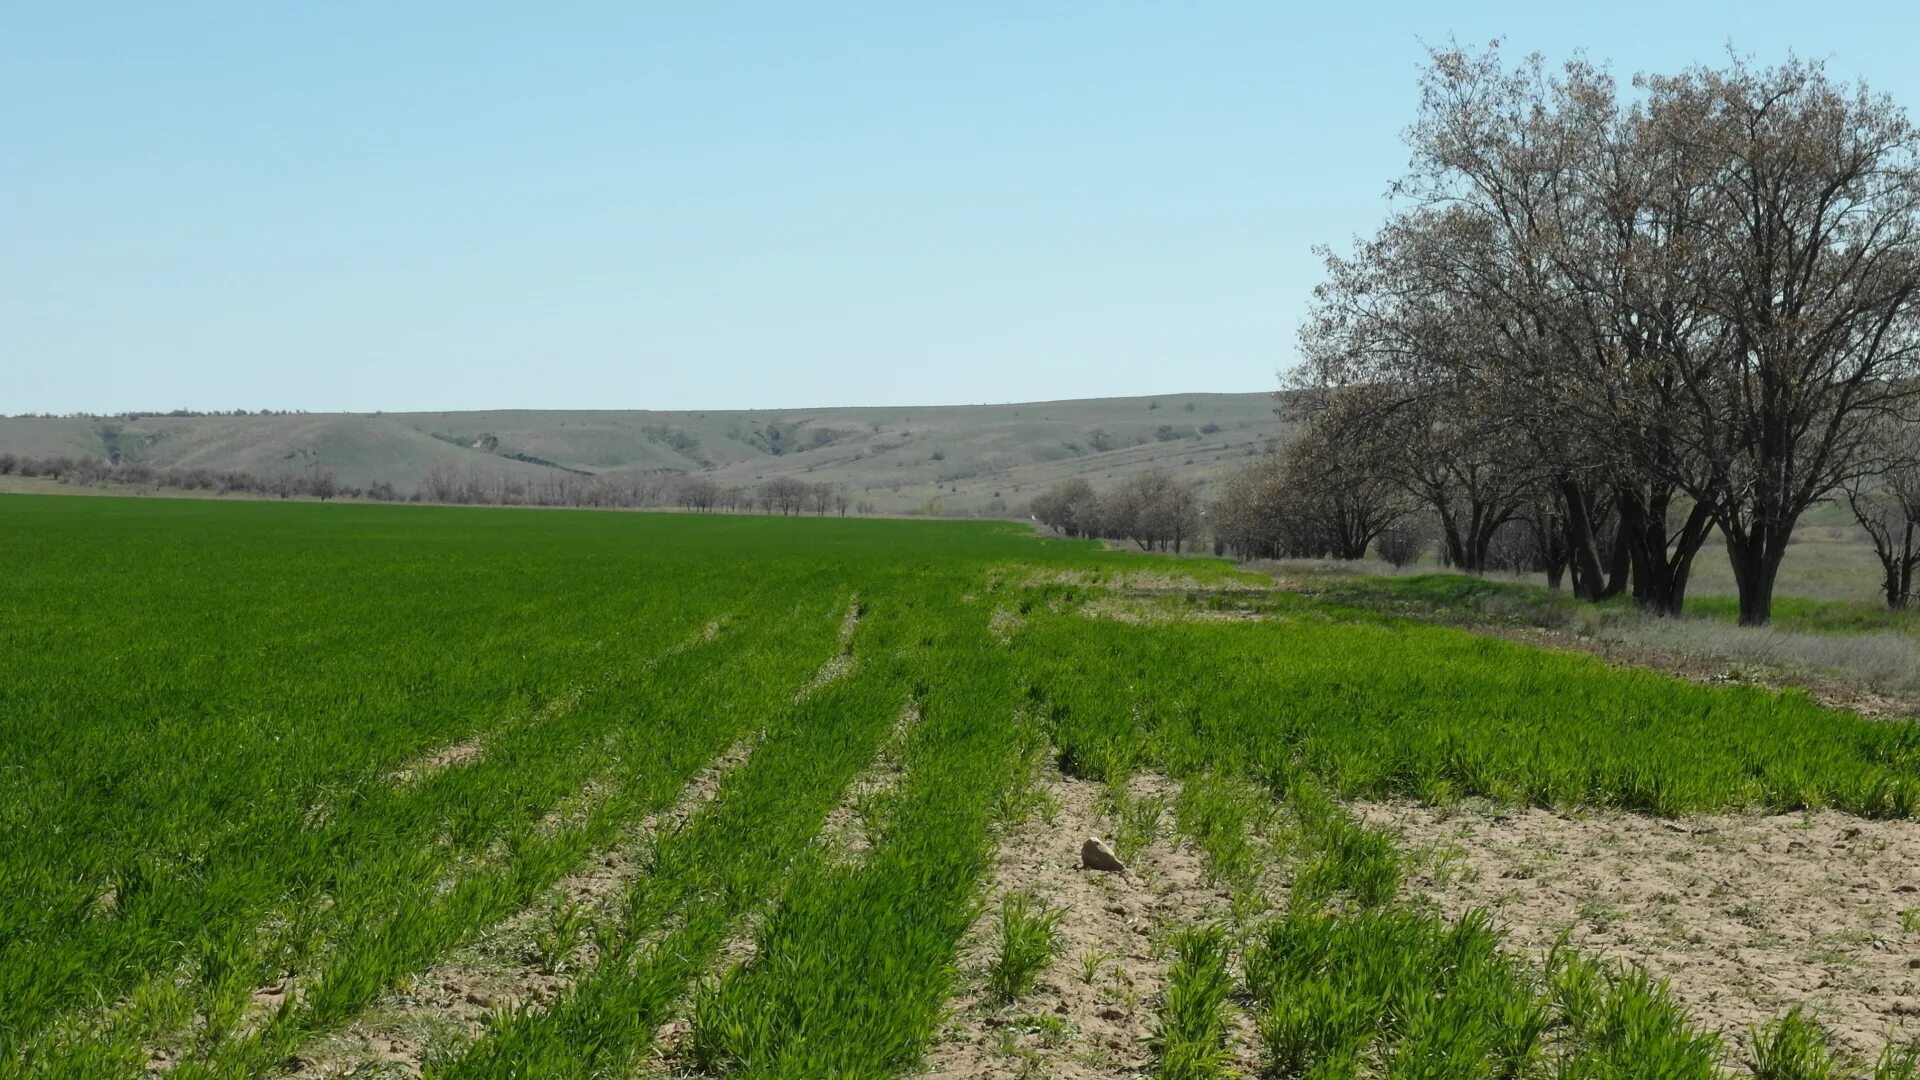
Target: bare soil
x,y
1072,1027
1748,916
447,757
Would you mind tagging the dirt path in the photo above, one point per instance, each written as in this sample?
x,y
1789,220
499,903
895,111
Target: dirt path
x,y
1748,916
1113,927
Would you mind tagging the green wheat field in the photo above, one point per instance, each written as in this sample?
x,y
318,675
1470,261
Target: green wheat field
x,y
262,764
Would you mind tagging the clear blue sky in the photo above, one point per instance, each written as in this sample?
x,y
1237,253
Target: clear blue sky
x,y
709,205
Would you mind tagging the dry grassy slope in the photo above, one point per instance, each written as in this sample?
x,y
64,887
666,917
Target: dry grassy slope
x,y
896,457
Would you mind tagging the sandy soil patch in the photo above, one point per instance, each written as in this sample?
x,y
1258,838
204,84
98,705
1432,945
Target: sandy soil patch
x,y
447,757
447,1005
1139,581
1748,916
1155,608
1093,1010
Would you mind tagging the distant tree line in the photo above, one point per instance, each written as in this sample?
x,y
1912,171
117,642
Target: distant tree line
x,y
1154,510
149,414
320,483
653,489
469,487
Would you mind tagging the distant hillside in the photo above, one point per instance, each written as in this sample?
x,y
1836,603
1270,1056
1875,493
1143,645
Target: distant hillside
x,y
898,458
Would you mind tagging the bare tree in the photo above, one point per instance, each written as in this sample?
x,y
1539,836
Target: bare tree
x,y
1332,479
1688,310
1165,511
1887,506
1810,241
322,482
1402,543
1068,507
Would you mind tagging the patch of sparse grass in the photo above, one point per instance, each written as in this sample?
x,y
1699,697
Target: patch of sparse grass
x,y
1898,1061
1137,826
1220,815
1442,1000
1092,959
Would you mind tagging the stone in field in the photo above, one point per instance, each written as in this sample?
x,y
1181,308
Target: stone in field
x,y
1096,855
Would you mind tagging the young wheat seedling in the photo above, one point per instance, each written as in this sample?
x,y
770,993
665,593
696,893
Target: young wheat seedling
x,y
554,942
1091,961
1029,936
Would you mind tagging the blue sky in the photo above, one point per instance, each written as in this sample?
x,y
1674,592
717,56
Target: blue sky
x,y
726,205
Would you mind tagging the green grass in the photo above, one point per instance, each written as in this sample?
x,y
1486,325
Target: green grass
x,y
1793,1047
1376,707
1452,597
1028,941
330,745
1815,616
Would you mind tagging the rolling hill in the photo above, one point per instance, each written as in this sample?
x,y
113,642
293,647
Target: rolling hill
x,y
964,456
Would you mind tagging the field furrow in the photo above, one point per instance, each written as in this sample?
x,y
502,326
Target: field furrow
x,y
681,714
526,960
699,884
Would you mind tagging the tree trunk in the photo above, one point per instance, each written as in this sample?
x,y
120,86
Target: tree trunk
x,y
1621,569
1661,564
1486,522
1583,553
1900,583
1456,549
1756,563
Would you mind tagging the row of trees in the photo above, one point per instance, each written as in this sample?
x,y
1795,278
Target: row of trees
x,y
1631,320
471,487
782,495
1152,509
319,483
